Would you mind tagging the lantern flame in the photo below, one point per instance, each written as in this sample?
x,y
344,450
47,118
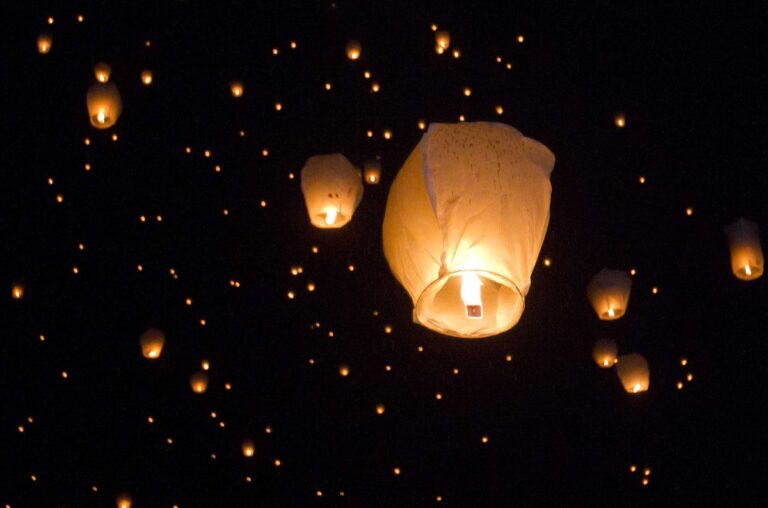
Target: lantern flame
x,y
470,295
101,116
330,216
611,313
747,269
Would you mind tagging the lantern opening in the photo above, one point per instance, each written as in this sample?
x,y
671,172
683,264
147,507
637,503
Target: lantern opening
x,y
470,304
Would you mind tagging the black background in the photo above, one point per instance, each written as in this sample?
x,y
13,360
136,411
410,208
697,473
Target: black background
x,y
690,78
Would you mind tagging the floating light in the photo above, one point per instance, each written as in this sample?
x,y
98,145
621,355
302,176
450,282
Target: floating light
x,y
464,223
372,171
17,290
146,77
104,105
443,39
604,353
102,71
332,190
236,88
199,382
44,43
247,447
608,292
746,251
354,49
633,373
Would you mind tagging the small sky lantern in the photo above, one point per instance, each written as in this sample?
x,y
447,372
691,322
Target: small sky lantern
x,y
443,39
372,171
343,370
464,223
102,72
604,353
199,382
236,87
620,120
104,105
17,290
608,292
746,251
633,373
332,190
354,49
248,448
146,77
152,342
123,500
44,43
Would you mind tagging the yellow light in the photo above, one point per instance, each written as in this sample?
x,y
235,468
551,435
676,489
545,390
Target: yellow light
x,y
641,179
689,211
679,385
499,110
456,53
328,86
344,370
367,74
205,364
146,77
467,91
611,313
236,88
689,377
484,439
387,134
293,44
470,295
396,471
380,409
388,329
632,468
278,106
508,358
747,269
330,215
101,116
80,18
422,125
683,361
636,388
520,39
620,120
547,262
439,396
375,87
248,448
17,291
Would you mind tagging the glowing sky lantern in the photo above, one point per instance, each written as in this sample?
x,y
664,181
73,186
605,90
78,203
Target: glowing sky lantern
x,y
199,382
354,50
44,43
464,223
604,353
236,88
443,39
152,342
332,190
123,500
104,105
746,251
608,292
146,77
17,290
247,448
102,72
372,171
633,373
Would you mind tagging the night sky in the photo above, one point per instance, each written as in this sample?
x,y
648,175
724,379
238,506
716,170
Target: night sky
x,y
524,418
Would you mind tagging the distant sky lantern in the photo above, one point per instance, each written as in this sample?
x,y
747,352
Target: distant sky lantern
x,y
372,171
332,190
464,223
443,39
344,370
604,353
199,382
146,77
123,501
608,292
152,342
746,251
102,71
44,43
620,120
17,290
633,373
236,88
247,447
354,50
104,105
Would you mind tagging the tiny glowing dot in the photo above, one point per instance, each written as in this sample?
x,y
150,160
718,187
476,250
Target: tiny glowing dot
x,y
641,179
655,290
439,396
632,271
205,364
275,51
150,419
114,137
64,374
50,181
380,409
351,268
293,44
396,471
433,27
291,176
291,295
315,250
420,349
277,463
59,198
689,211
227,386
645,482
498,59
278,106
265,152
75,270
455,372
461,118
484,439
375,87
328,86
422,125
508,358
50,20
203,322
80,18
632,468
87,141
679,385
367,74
547,262
456,53
388,329
520,39
310,286
263,203
499,110
467,91
139,267
683,361
689,377
387,134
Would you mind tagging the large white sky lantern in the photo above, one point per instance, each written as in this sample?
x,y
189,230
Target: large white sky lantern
x,y
465,220
332,188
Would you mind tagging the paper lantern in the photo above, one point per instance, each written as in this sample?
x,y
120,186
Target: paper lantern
x,y
17,290
604,353
464,223
123,501
354,49
102,72
633,373
746,251
104,105
236,87
44,43
248,448
608,292
372,172
199,382
332,190
443,39
146,77
152,342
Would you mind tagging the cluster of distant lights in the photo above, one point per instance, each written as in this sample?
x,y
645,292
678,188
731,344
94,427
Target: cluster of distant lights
x,y
200,379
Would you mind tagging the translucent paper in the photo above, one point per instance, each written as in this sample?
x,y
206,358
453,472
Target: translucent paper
x,y
104,105
746,251
633,373
464,223
608,292
152,342
332,189
604,353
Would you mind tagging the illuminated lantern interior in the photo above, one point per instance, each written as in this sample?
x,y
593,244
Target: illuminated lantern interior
x,y
354,49
604,353
199,382
332,190
152,342
372,172
236,88
464,223
633,373
104,105
746,251
44,43
608,292
102,72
